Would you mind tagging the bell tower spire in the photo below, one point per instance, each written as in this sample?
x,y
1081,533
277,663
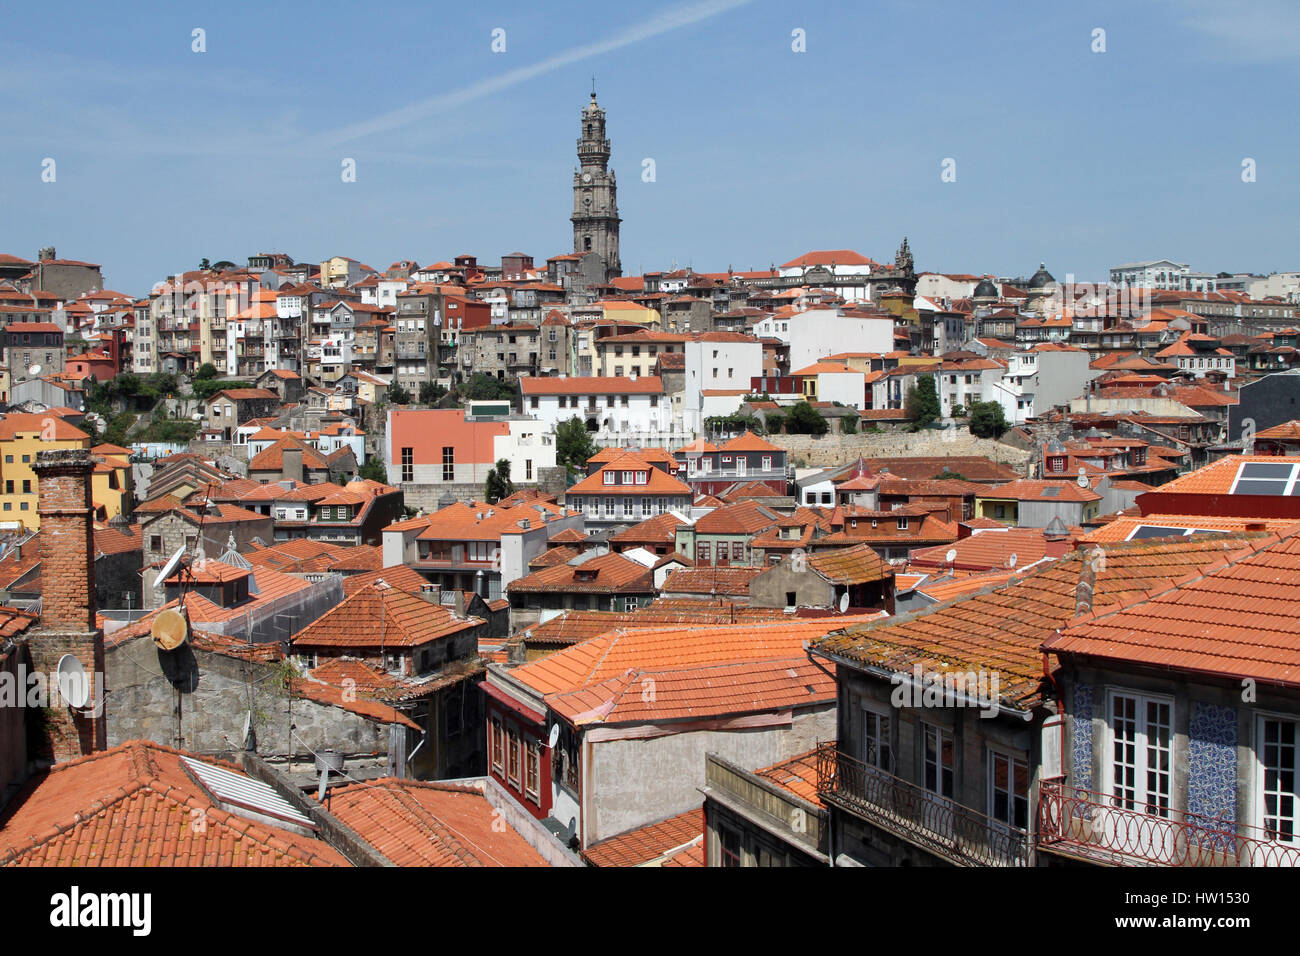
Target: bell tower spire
x,y
595,204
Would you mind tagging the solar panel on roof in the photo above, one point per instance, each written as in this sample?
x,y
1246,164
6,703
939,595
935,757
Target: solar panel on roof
x,y
1266,469
1253,486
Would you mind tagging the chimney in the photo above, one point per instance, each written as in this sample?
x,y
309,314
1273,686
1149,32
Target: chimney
x,y
67,625
292,464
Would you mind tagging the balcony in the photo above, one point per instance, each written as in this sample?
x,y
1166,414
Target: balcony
x,y
947,829
1100,828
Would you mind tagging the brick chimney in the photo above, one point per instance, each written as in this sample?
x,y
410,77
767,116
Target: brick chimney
x,y
67,624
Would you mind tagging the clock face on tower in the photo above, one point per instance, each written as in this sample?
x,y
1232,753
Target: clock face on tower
x,y
586,177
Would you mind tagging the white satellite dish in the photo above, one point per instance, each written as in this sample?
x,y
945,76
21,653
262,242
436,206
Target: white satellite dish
x,y
844,602
555,736
34,370
951,556
1011,561
73,684
1083,479
169,567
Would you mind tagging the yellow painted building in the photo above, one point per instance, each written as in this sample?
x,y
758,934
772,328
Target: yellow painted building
x,y
21,437
112,486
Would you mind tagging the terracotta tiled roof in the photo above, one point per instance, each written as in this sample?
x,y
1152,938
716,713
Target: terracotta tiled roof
x,y
857,565
398,576
697,671
657,482
381,615
570,627
609,573
661,529
1216,478
989,550
797,774
430,824
711,580
744,517
1000,629
1028,489
1122,527
129,806
1235,617
593,385
650,843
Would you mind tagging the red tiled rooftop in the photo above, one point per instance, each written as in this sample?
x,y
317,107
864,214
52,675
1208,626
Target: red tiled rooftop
x,y
650,843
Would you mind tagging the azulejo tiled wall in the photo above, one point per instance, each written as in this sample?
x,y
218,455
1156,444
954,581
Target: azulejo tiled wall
x,y
1081,738
1212,762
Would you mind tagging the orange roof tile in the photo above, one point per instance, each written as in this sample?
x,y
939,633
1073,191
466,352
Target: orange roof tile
x,y
1000,629
382,615
415,823
650,843
1234,618
127,807
608,573
711,580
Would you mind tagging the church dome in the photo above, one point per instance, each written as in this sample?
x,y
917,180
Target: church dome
x,y
1042,278
985,290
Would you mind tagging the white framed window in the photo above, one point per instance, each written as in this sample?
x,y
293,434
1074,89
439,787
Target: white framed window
x,y
1276,789
608,477
1140,765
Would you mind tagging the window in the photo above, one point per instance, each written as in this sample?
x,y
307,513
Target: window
x,y
938,760
877,742
728,847
642,477
27,486
497,745
448,463
704,552
767,462
1009,790
533,768
1276,752
408,464
512,756
627,507
1141,756
528,469
902,524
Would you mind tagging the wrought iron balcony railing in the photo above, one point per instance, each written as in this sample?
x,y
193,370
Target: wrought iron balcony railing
x,y
1104,828
947,829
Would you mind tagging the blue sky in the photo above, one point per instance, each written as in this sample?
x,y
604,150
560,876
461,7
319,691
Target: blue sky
x,y
1082,159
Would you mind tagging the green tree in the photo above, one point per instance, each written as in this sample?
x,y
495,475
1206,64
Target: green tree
x,y
374,470
987,420
922,404
849,425
949,475
430,392
573,445
499,484
206,370
775,422
484,387
804,420
398,395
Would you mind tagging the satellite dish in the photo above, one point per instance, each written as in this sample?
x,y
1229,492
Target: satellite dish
x,y
170,629
169,567
951,556
555,736
844,602
1083,479
1011,561
34,370
72,681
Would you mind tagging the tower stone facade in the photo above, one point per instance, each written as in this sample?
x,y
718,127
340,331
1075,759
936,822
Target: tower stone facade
x,y
595,202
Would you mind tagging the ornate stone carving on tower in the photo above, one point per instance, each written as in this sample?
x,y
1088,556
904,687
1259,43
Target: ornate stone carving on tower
x,y
595,203
898,278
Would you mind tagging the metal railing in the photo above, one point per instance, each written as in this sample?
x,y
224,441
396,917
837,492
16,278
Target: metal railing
x,y
1105,828
948,829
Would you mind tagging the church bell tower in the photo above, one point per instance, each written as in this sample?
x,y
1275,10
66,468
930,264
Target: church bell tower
x,y
595,204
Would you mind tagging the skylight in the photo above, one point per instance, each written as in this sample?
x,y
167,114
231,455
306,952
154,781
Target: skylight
x,y
1160,531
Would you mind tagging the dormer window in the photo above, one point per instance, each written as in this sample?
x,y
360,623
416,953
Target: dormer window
x,y
642,477
627,477
609,478
902,524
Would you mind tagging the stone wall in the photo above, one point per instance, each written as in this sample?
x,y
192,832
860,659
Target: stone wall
x,y
550,481
831,449
212,714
